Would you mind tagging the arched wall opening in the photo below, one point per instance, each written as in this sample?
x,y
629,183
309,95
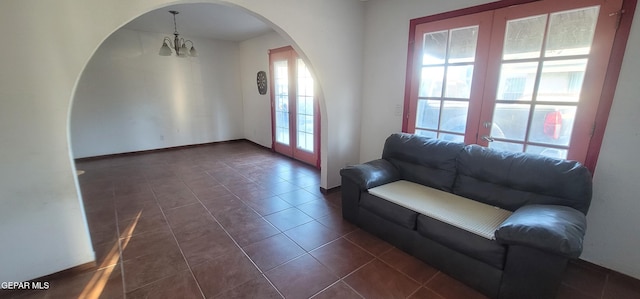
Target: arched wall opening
x,y
130,99
42,211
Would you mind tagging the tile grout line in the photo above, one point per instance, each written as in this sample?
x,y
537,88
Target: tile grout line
x,y
177,243
262,273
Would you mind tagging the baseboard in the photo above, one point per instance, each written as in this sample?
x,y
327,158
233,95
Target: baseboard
x,y
330,190
164,149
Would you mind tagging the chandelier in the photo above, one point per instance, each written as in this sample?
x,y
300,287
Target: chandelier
x,y
178,44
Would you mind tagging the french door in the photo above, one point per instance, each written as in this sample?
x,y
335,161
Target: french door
x,y
526,78
295,118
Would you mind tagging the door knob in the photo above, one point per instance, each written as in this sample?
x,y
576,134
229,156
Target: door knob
x,y
488,138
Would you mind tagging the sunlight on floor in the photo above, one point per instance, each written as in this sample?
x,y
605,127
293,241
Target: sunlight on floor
x,y
96,285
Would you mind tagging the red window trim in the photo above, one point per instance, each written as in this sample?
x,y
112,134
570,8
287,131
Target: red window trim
x,y
611,76
610,82
317,116
437,17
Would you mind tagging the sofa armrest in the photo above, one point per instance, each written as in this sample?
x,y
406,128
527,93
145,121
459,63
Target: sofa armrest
x,y
551,228
371,174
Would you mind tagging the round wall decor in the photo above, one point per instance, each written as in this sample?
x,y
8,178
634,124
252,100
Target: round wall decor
x,y
262,82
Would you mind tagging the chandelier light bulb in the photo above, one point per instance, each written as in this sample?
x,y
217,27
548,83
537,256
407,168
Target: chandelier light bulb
x,y
179,45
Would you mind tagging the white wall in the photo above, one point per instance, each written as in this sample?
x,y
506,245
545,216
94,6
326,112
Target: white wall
x,y
42,222
385,62
254,57
612,239
131,99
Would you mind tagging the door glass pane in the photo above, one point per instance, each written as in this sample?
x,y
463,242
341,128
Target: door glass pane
x,y
506,146
510,121
459,81
463,45
523,38
571,32
430,134
434,48
447,73
452,137
281,83
517,81
428,114
561,80
552,124
431,81
454,116
304,106
547,151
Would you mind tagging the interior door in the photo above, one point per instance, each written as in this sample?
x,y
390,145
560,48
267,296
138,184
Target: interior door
x,y
295,118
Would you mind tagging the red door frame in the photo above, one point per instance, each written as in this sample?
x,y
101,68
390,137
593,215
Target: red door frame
x,y
612,71
291,150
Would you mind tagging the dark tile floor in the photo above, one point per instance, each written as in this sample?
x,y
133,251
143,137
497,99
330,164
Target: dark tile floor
x,y
233,220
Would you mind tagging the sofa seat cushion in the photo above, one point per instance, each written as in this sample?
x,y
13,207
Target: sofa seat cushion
x,y
482,249
472,216
389,211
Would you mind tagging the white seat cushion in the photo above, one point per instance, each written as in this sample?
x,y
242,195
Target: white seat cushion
x,y
464,213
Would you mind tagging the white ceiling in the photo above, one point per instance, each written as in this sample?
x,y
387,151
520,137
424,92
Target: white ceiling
x,y
202,20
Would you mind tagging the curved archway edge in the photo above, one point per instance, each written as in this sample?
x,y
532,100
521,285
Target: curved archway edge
x,y
39,186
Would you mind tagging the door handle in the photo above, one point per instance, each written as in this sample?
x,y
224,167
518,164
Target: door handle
x,y
488,138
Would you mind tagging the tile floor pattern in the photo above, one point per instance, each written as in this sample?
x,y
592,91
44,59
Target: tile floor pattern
x,y
234,220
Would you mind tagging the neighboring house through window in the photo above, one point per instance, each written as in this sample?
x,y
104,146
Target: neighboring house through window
x,y
533,77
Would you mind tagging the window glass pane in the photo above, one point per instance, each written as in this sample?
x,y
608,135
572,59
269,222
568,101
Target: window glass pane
x,y
431,81
510,121
281,83
459,81
282,135
305,141
434,47
547,151
280,78
309,106
428,114
506,146
523,38
462,47
452,137
304,106
571,32
552,124
454,116
561,80
308,125
305,81
517,81
426,133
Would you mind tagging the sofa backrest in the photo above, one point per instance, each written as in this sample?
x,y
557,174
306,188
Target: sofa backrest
x,y
510,180
422,160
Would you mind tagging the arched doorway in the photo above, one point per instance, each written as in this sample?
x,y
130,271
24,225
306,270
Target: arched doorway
x,y
130,99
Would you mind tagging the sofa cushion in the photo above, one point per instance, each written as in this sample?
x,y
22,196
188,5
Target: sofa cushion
x,y
511,180
389,210
482,249
422,160
475,217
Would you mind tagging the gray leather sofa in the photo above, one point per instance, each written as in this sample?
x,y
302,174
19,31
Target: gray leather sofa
x,y
526,257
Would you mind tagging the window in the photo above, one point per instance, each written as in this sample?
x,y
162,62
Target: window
x,y
527,78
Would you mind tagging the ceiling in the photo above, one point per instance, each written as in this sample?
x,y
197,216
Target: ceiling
x,y
204,20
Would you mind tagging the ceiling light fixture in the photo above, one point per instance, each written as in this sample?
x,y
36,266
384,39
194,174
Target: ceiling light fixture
x,y
179,44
